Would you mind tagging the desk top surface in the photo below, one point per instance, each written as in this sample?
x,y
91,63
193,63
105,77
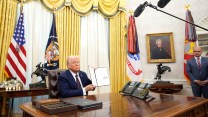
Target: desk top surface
x,y
116,105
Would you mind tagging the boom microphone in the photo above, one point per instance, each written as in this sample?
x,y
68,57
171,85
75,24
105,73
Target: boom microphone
x,y
162,3
140,9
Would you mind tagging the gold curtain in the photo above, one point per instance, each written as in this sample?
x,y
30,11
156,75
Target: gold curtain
x,y
108,8
7,24
82,6
68,32
118,52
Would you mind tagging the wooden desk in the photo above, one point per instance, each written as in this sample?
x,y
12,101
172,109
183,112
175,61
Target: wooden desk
x,y
116,105
7,94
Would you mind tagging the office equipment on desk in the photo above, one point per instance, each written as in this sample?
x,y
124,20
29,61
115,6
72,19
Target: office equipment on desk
x,y
142,91
83,103
38,103
129,87
57,107
137,89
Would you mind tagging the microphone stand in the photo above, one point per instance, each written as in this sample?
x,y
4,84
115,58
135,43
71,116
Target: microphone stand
x,y
154,7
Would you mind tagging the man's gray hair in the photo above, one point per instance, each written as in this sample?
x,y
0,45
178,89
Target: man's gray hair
x,y
69,58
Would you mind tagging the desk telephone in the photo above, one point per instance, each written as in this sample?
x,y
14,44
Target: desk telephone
x,y
129,87
142,91
136,89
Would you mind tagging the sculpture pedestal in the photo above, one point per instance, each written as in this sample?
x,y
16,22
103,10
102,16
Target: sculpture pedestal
x,y
166,87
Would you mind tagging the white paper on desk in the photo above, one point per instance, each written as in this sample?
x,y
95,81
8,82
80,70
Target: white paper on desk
x,y
99,76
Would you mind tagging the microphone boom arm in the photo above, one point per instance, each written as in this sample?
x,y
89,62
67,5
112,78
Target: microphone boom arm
x,y
154,7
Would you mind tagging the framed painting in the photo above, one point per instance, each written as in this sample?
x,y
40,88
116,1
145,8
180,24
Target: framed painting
x,y
160,48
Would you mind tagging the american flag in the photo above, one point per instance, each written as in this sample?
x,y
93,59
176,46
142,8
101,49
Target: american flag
x,y
16,57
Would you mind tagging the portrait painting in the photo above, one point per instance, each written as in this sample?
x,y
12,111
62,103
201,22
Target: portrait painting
x,y
160,48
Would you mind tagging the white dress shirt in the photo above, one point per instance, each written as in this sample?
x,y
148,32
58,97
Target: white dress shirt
x,y
73,74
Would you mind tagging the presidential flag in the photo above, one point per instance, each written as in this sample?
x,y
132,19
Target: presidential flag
x,y
190,41
52,48
16,57
134,71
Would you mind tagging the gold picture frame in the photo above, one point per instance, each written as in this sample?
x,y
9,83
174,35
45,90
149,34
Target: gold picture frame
x,y
160,48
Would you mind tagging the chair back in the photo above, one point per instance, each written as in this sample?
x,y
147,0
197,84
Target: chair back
x,y
53,82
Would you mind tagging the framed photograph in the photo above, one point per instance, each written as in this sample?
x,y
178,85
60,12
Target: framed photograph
x,y
160,48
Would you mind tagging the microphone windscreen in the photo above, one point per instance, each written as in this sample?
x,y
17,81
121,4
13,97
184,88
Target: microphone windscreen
x,y
140,9
162,3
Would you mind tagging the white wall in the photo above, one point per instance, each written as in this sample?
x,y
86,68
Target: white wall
x,y
153,21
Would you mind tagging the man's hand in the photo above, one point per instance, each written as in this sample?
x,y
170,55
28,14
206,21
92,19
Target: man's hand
x,y
90,87
199,82
205,82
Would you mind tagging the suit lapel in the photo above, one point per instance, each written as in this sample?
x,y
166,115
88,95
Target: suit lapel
x,y
81,77
195,63
71,78
202,61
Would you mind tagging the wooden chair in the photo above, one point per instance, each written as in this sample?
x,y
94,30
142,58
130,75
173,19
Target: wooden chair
x,y
52,81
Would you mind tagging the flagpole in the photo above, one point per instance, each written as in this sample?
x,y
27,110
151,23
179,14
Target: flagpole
x,y
54,10
21,6
131,12
154,7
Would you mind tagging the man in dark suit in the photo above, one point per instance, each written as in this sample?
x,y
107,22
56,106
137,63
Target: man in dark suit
x,y
159,52
74,82
197,69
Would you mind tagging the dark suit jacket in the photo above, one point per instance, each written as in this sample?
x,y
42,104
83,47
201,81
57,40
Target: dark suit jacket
x,y
159,53
68,86
194,72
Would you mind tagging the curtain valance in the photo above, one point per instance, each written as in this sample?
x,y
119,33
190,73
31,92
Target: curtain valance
x,y
107,8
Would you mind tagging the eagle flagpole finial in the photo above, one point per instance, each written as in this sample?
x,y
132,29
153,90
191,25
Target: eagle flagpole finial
x,y
187,6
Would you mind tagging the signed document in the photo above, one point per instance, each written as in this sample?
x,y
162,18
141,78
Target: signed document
x,y
99,76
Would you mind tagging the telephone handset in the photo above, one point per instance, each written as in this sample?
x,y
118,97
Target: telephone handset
x,y
141,91
130,87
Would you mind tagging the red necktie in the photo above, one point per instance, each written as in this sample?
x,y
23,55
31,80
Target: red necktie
x,y
77,81
199,63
